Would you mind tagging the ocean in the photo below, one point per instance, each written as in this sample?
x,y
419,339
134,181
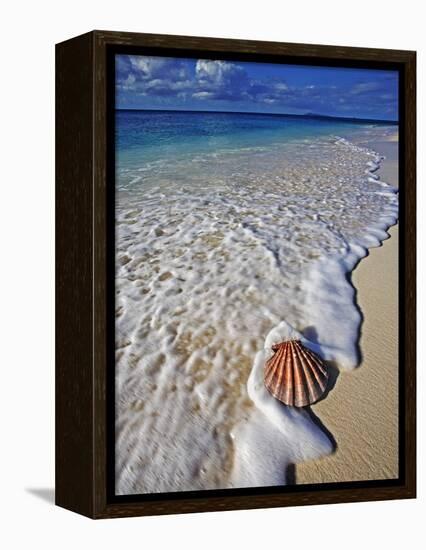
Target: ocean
x,y
233,231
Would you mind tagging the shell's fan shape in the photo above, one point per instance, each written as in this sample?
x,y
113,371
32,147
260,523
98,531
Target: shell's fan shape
x,y
295,375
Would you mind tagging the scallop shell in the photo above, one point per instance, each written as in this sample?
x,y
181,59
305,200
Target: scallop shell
x,y
295,375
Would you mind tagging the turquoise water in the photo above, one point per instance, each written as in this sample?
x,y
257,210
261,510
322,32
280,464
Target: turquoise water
x,y
148,136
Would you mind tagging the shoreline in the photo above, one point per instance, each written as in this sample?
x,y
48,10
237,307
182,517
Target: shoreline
x,y
361,412
198,368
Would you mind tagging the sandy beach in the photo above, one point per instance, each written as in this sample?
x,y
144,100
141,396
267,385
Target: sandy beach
x,y
361,412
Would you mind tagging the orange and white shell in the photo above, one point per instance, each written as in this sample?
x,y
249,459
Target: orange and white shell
x,y
295,375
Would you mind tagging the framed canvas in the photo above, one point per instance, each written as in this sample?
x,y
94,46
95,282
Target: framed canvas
x,y
235,281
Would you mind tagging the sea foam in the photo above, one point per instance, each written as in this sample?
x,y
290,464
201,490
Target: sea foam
x,y
219,255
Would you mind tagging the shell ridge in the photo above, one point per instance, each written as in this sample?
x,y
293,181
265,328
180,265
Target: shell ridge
x,y
312,383
319,374
278,386
300,394
271,366
271,371
316,359
288,393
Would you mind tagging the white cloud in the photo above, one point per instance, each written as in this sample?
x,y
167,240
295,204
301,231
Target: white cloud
x,y
211,70
147,67
281,86
129,82
364,87
202,95
217,73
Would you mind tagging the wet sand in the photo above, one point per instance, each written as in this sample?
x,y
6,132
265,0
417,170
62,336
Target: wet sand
x,y
361,411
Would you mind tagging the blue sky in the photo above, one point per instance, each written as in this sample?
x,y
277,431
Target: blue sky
x,y
197,84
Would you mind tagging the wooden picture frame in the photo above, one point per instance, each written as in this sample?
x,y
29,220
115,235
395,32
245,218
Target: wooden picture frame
x,y
85,260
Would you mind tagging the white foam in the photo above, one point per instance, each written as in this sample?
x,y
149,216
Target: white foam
x,y
215,258
273,436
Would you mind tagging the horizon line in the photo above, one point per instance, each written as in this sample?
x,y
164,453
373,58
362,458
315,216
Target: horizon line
x,y
304,115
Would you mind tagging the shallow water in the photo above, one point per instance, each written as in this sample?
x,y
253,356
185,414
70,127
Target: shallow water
x,y
219,252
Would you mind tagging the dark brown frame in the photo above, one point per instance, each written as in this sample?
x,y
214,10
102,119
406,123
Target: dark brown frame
x,y
81,274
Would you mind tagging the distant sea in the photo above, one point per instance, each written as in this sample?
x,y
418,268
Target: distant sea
x,y
233,230
145,136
